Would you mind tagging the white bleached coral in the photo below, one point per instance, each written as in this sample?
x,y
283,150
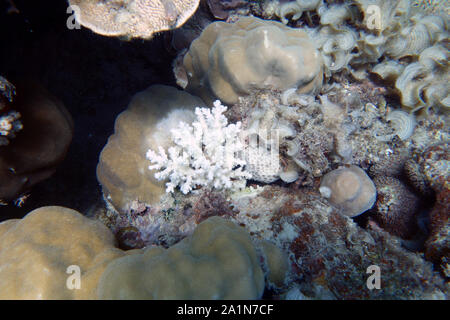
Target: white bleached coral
x,y
206,153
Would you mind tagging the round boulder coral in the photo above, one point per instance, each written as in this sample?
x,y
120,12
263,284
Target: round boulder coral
x,y
230,60
350,189
217,262
123,168
132,18
396,207
36,252
34,154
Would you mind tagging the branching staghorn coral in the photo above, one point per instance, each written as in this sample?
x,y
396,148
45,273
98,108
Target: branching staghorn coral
x,y
122,169
205,154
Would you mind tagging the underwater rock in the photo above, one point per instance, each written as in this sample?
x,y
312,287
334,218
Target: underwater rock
x,y
230,60
396,207
350,189
34,154
123,168
132,18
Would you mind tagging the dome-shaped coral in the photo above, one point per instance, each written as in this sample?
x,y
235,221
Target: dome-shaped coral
x,y
396,207
132,18
36,251
229,60
123,168
37,149
350,189
217,262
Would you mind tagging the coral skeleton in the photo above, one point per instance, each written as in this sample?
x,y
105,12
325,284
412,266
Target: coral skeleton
x,y
206,153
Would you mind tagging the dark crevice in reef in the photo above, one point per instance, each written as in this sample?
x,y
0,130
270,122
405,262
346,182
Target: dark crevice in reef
x,y
94,76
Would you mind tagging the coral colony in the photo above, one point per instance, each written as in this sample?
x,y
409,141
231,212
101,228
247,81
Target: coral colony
x,y
305,147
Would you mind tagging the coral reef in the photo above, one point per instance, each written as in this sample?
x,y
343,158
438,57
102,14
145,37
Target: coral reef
x,y
123,168
398,41
329,253
350,189
230,60
205,153
132,18
218,261
40,146
396,207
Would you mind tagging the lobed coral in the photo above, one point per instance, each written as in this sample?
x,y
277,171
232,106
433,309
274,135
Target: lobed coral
x,y
38,148
218,261
396,207
36,251
123,168
230,60
132,18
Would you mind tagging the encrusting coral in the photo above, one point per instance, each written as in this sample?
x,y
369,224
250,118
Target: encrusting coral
x,y
132,18
123,168
350,189
230,60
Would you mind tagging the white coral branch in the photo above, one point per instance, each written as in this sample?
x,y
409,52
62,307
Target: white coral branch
x,y
205,153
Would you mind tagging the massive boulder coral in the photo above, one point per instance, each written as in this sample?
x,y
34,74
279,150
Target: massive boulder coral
x,y
42,255
218,261
40,146
230,60
123,168
350,189
36,252
132,18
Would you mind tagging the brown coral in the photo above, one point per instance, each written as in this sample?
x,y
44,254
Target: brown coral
x,y
40,146
396,207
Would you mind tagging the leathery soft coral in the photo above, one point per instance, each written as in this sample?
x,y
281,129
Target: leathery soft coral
x,y
206,153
